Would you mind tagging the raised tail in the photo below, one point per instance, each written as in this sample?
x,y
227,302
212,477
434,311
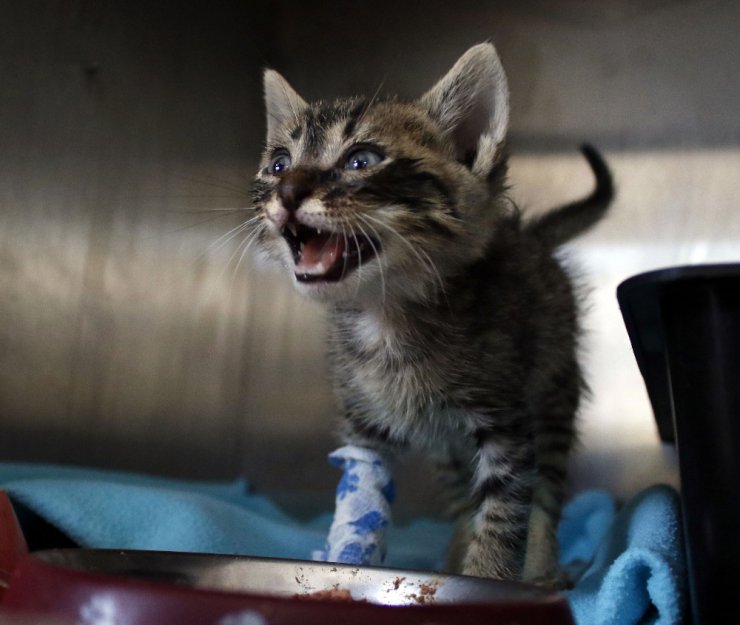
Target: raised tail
x,y
568,221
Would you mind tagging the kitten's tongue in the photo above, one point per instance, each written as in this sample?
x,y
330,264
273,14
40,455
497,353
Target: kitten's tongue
x,y
319,253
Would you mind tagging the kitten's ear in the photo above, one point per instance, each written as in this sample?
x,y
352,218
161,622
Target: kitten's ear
x,y
282,103
471,103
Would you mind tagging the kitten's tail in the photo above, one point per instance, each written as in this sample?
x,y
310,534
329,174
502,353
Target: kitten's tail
x,y
568,221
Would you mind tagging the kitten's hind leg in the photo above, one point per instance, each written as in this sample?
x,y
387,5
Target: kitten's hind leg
x,y
458,545
454,478
554,440
541,560
502,490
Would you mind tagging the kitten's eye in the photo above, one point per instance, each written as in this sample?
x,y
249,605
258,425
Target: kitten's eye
x,y
363,158
280,163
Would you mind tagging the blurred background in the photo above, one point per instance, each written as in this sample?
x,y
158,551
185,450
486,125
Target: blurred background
x,y
134,332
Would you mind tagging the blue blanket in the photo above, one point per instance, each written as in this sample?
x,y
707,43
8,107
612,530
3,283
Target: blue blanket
x,y
628,563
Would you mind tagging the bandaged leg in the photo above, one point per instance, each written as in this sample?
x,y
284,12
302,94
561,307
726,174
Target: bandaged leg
x,y
362,513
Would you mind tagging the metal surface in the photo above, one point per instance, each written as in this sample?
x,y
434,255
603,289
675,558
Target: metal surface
x,y
294,578
127,342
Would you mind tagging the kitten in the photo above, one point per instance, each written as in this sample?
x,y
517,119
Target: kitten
x,y
452,328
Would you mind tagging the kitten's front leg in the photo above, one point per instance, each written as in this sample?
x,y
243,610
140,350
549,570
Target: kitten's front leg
x,y
502,490
363,508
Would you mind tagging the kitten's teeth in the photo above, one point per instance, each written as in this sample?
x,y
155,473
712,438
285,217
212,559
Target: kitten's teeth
x,y
292,227
319,269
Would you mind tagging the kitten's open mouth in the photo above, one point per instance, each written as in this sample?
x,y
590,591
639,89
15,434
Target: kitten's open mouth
x,y
327,256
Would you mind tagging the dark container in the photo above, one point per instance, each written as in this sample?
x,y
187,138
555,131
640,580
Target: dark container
x,y
684,325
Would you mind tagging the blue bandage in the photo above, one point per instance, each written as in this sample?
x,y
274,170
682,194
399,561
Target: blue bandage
x,y
362,513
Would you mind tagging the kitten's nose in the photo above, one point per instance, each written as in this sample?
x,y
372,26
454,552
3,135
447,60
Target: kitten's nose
x,y
295,186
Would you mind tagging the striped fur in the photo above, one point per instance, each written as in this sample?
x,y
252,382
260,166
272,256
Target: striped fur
x,y
452,328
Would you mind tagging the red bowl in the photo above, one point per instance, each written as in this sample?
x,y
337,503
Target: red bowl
x,y
98,587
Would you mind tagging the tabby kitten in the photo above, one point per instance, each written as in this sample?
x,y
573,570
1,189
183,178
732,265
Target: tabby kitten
x,y
452,328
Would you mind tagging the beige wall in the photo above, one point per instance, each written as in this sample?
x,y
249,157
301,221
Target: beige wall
x,y
132,338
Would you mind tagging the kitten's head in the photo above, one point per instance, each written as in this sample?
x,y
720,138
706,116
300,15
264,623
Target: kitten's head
x,y
371,199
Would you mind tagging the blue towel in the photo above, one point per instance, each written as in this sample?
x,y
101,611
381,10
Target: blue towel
x,y
628,564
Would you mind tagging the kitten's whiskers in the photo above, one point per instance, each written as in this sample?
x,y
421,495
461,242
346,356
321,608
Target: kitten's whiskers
x,y
375,252
217,183
225,238
244,245
344,259
370,102
359,257
424,259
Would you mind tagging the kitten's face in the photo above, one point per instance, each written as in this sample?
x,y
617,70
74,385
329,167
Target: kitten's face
x,y
378,200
